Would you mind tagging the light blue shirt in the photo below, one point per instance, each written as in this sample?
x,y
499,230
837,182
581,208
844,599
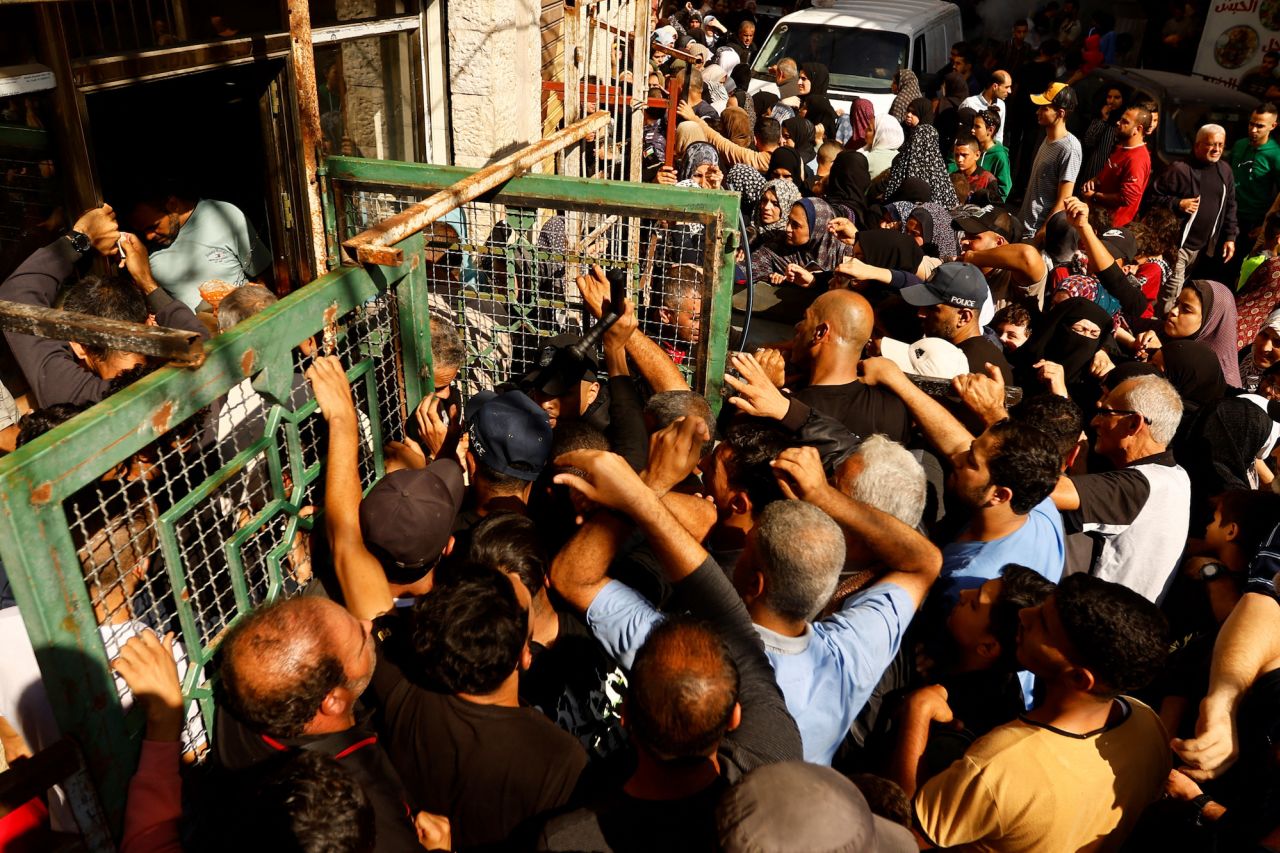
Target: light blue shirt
x,y
1039,544
826,674
217,242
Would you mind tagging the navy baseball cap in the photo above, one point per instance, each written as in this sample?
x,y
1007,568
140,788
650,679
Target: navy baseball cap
x,y
509,433
959,284
408,516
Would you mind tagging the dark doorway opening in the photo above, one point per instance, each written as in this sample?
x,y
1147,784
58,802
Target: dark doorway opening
x,y
202,132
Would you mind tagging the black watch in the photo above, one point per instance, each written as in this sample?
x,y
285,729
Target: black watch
x,y
80,241
1198,804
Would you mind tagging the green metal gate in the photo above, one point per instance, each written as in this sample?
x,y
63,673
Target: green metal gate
x,y
188,498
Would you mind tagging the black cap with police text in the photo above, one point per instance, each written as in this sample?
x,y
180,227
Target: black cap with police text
x,y
408,516
509,433
958,284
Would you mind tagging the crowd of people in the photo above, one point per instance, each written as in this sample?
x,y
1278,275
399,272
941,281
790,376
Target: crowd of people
x,y
978,551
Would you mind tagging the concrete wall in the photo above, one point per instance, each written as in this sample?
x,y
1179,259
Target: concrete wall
x,y
494,78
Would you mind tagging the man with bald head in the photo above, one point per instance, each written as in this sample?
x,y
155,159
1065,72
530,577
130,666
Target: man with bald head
x,y
999,86
290,675
828,344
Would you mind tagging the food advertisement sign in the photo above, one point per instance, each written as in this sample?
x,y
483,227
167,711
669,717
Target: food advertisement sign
x,y
1236,35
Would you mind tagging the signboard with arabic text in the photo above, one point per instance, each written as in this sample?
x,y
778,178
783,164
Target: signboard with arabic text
x,y
1236,35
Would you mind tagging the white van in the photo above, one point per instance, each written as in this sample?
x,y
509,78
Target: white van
x,y
862,43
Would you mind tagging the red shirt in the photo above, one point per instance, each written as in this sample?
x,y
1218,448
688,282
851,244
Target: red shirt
x,y
1127,172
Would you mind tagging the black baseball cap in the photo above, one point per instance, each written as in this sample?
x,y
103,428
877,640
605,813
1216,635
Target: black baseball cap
x,y
1120,242
509,433
959,284
408,516
992,219
559,368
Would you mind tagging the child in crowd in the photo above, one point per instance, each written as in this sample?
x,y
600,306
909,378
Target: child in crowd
x,y
1012,324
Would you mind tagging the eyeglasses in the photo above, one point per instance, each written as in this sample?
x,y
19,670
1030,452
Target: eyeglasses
x,y
1122,412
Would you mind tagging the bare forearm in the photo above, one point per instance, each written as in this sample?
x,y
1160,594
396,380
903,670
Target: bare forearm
x,y
695,515
892,542
581,568
364,586
904,765
677,551
654,365
1247,645
939,426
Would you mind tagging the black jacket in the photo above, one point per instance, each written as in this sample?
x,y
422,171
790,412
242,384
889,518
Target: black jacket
x,y
53,372
1183,180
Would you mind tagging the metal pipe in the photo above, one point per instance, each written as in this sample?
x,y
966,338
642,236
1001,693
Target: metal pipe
x,y
377,244
304,70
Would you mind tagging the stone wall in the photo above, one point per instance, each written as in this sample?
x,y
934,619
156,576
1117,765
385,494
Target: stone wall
x,y
494,78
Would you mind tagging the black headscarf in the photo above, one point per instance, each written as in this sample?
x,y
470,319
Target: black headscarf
x,y
818,109
1054,340
847,184
801,132
1219,450
914,190
1129,370
1194,370
762,101
789,159
890,249
922,108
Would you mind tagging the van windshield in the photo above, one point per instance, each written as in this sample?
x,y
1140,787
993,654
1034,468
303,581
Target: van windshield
x,y
859,60
1182,119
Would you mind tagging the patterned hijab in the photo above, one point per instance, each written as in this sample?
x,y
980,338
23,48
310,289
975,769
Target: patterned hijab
x,y
787,194
696,155
920,157
908,91
937,228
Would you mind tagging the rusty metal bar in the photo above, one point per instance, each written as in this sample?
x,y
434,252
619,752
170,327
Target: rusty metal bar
x,y
377,244
174,345
677,53
673,117
304,70
605,94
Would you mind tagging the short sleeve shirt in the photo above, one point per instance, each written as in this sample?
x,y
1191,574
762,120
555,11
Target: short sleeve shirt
x,y
1057,161
217,242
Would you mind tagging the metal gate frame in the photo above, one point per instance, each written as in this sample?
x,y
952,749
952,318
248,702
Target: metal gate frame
x,y
36,544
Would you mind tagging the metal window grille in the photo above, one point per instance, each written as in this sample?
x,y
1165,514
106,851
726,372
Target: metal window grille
x,y
189,498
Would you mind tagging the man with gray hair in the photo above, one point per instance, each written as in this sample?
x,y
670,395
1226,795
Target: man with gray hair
x,y
1201,192
242,303
786,574
1130,525
884,474
447,355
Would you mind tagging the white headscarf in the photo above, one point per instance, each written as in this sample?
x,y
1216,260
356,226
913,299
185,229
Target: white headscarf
x,y
888,135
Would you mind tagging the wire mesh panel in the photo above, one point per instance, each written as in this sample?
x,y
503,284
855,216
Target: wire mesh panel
x,y
190,497
505,274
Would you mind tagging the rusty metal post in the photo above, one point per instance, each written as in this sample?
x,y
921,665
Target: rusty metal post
x,y
377,244
303,59
673,117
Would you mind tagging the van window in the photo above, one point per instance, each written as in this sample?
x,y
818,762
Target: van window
x,y
918,57
858,59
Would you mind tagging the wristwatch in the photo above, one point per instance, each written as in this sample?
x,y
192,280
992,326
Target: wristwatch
x,y
1209,571
80,241
1198,804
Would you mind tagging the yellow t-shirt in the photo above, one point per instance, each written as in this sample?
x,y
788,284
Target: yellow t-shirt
x,y
1025,786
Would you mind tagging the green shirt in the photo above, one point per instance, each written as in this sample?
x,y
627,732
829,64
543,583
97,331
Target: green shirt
x,y
996,161
1257,173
